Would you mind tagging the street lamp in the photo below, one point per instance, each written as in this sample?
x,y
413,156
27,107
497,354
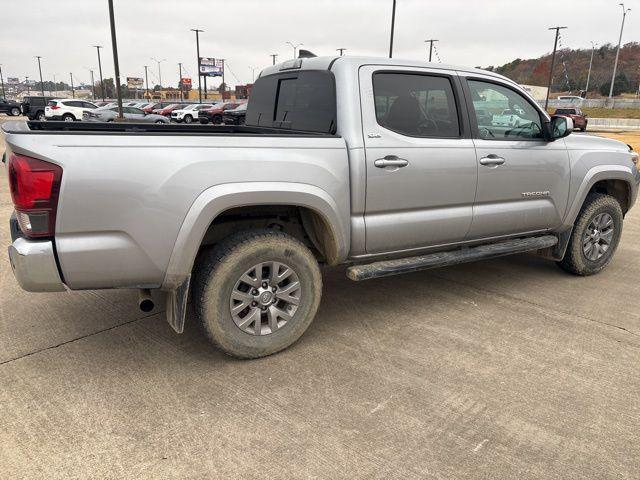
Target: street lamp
x,y
295,47
159,71
615,65
98,47
253,74
586,88
198,31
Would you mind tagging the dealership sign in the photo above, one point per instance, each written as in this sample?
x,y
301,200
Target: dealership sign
x,y
134,82
186,82
13,80
211,67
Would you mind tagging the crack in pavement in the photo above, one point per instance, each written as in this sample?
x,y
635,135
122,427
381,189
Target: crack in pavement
x,y
524,300
66,342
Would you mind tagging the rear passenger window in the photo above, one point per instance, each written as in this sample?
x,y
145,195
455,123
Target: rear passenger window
x,y
416,105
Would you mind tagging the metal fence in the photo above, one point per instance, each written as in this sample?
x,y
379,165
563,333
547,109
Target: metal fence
x,y
594,103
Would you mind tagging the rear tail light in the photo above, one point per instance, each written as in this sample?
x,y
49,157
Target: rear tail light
x,y
35,187
54,107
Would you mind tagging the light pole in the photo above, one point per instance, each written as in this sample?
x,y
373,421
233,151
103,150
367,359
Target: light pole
x,y
341,50
586,88
430,42
159,71
253,74
73,93
4,95
26,82
273,58
146,80
180,79
98,47
198,64
615,65
295,47
393,23
553,63
93,85
116,65
40,70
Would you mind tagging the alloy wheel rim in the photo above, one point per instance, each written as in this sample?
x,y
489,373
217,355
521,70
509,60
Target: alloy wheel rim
x,y
265,298
596,241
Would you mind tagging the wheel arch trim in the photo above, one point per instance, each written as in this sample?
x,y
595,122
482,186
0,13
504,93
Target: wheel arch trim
x,y
220,198
597,174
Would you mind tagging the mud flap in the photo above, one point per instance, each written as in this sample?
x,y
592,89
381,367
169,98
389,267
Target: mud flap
x,y
176,306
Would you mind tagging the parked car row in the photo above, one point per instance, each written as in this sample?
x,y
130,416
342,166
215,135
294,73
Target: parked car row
x,y
71,109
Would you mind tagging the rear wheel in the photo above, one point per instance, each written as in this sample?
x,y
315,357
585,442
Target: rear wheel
x,y
40,116
595,236
217,119
159,122
188,119
256,292
67,117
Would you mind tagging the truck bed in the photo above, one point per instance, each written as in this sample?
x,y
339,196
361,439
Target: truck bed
x,y
131,128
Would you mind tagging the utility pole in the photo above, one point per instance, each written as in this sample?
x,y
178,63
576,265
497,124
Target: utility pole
x,y
295,47
430,42
224,85
253,74
116,65
393,23
198,58
146,82
180,79
73,92
26,81
341,50
98,47
553,63
615,65
40,70
273,58
159,71
4,95
586,88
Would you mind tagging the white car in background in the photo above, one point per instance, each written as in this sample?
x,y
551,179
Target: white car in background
x,y
189,113
510,118
68,110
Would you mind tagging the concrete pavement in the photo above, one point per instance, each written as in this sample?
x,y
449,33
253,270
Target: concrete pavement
x,y
501,369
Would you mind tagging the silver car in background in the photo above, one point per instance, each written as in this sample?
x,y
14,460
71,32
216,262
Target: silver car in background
x,y
133,114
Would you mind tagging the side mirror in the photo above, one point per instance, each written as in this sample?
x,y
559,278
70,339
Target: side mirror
x,y
559,127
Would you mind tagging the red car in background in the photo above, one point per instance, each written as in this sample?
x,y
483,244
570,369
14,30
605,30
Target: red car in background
x,y
579,119
166,111
156,106
214,115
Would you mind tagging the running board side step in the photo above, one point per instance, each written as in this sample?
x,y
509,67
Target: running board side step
x,y
387,268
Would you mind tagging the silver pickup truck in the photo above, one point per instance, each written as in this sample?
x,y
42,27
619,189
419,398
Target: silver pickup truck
x,y
384,165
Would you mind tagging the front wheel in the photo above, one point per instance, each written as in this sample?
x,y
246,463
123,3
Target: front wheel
x,y
188,119
15,111
159,122
217,119
256,292
595,236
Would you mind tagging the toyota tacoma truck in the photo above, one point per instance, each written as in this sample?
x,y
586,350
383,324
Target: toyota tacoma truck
x,y
383,165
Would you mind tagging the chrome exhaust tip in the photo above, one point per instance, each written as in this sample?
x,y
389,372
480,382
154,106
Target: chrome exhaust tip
x,y
145,302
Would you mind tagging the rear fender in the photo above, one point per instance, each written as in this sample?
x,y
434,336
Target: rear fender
x,y
215,200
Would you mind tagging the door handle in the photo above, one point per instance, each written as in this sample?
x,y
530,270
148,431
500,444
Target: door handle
x,y
492,160
391,161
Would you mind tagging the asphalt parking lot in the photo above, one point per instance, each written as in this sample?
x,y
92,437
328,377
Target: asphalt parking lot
x,y
500,369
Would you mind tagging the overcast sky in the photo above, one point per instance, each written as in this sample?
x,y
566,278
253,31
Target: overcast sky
x,y
245,32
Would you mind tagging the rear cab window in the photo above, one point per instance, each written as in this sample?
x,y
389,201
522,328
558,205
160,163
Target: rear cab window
x,y
416,104
302,100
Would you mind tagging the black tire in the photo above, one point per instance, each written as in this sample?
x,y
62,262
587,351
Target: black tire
x,y
575,260
40,116
67,117
204,121
14,112
217,119
188,119
217,273
160,122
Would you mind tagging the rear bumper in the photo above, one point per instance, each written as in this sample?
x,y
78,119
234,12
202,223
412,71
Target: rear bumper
x,y
34,264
